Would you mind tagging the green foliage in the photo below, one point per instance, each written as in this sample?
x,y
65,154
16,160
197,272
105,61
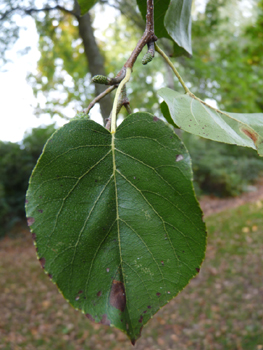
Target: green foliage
x,y
227,60
62,67
172,20
221,169
16,164
198,118
86,5
116,221
34,140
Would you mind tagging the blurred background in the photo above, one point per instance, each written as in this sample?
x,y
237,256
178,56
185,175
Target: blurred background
x,y
48,57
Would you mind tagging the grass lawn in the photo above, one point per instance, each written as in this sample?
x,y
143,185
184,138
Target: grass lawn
x,y
222,308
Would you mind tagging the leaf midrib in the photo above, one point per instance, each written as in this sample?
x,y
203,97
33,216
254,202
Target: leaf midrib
x,y
118,222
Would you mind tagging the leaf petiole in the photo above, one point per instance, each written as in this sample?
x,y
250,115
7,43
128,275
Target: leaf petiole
x,y
115,103
160,51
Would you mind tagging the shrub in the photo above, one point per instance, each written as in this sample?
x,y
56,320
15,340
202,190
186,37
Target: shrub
x,y
221,169
16,164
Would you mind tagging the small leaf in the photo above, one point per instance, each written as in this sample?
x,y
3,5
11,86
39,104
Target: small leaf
x,y
115,219
86,5
172,20
198,118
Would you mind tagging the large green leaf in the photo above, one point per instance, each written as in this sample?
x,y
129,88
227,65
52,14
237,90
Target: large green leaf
x,y
86,5
115,219
172,20
195,116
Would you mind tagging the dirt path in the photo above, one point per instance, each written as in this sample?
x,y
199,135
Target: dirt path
x,y
211,205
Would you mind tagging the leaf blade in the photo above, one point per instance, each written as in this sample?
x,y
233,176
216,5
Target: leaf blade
x,y
114,229
196,117
178,23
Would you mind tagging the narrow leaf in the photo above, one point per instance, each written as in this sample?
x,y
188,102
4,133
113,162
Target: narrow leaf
x,y
172,20
115,219
195,116
86,5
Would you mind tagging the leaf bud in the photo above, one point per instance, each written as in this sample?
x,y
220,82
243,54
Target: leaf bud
x,y
100,79
147,58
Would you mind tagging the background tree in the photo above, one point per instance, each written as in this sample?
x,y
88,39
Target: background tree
x,y
50,36
70,54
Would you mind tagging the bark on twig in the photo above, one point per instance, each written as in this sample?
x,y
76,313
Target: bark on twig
x,y
98,98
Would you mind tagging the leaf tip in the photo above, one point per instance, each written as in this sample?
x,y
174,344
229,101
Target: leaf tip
x,y
133,341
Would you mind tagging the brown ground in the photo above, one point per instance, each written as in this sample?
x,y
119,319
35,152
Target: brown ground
x,y
221,309
211,205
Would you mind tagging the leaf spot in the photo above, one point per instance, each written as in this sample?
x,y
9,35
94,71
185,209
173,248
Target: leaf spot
x,y
162,262
90,317
33,236
252,135
155,119
141,319
149,307
107,269
42,262
158,294
179,157
30,221
99,294
168,292
40,211
117,295
197,269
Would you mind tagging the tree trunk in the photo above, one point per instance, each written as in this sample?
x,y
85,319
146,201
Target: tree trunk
x,y
95,62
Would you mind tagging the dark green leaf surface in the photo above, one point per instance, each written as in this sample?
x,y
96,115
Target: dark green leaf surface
x,y
115,219
86,5
172,20
196,117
